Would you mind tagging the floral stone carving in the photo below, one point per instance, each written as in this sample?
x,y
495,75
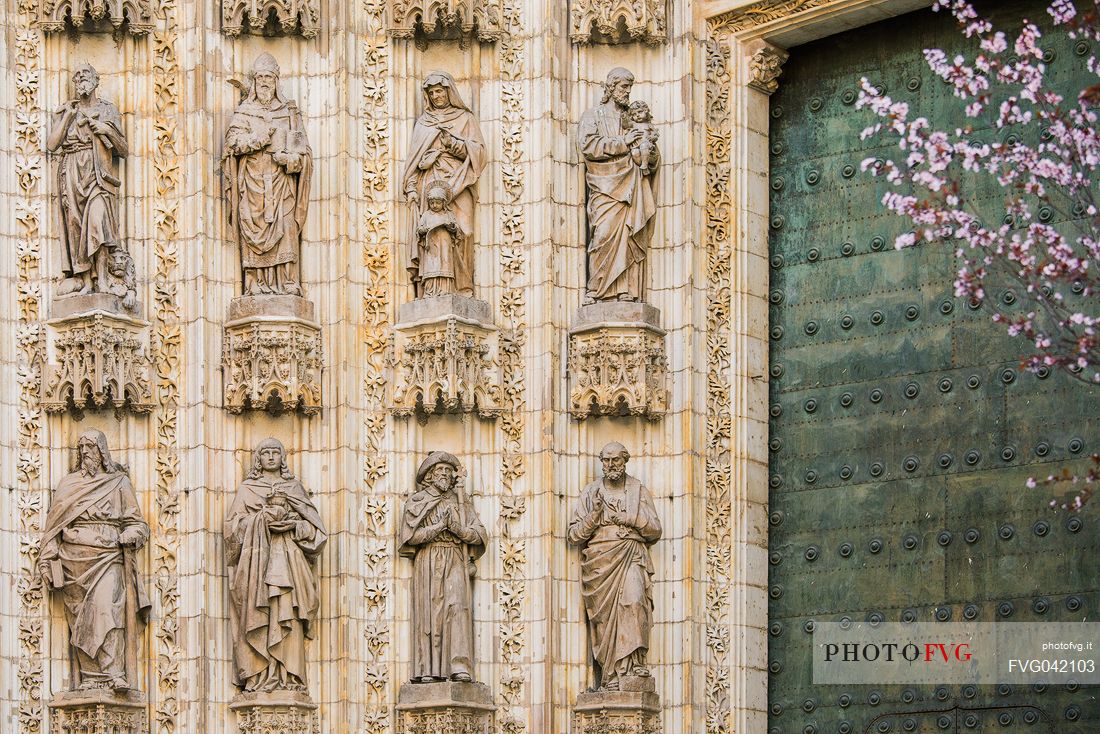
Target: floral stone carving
x,y
448,707
85,15
446,349
617,712
275,712
98,711
272,355
286,17
618,21
446,19
617,363
96,356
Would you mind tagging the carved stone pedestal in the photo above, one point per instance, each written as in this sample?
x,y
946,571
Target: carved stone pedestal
x,y
636,709
617,361
98,711
275,712
446,358
447,707
96,355
271,355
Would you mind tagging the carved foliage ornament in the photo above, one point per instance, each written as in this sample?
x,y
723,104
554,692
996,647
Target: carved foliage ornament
x,y
642,20
273,365
54,14
447,369
99,718
449,721
438,19
617,371
759,13
765,66
287,16
617,722
100,359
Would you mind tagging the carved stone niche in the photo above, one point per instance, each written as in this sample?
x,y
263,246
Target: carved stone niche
x,y
635,709
445,361
271,17
618,21
96,355
432,20
275,712
272,355
445,707
617,363
89,15
98,711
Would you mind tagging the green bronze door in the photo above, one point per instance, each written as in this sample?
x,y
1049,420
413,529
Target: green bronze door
x,y
902,428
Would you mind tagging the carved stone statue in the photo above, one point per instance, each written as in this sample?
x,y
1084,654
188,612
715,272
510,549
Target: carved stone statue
x,y
273,533
620,158
93,528
448,151
267,165
86,134
615,522
441,532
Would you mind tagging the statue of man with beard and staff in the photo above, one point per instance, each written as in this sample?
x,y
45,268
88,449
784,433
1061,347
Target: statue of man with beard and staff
x,y
273,533
620,193
615,522
267,164
87,136
441,532
447,148
87,555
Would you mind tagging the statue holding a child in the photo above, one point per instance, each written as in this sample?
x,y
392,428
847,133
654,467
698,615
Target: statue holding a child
x,y
446,158
618,143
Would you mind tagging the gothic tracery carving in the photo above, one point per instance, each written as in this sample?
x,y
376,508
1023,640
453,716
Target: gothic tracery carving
x,y
54,15
430,19
286,16
640,20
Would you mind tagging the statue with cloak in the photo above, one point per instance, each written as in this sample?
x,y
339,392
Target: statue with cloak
x,y
619,162
447,148
86,135
615,522
267,165
441,532
92,531
273,534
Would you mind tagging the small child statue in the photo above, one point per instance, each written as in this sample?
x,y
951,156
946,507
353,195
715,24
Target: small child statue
x,y
639,116
438,237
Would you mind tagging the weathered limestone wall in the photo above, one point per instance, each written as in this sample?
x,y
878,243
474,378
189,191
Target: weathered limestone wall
x,y
359,92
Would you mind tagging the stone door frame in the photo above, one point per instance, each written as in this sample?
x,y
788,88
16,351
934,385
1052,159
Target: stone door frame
x,y
746,47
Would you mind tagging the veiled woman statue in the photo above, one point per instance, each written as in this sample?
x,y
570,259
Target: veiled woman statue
x,y
87,555
441,532
267,164
273,533
447,146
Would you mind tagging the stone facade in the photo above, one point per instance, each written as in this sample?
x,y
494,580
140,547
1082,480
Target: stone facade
x,y
695,417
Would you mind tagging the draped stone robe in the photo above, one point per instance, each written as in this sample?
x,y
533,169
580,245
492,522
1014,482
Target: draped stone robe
x,y
105,602
273,587
88,186
267,201
620,206
616,569
459,166
442,607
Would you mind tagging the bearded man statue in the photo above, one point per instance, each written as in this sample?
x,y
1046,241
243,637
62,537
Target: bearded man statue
x,y
93,528
267,166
